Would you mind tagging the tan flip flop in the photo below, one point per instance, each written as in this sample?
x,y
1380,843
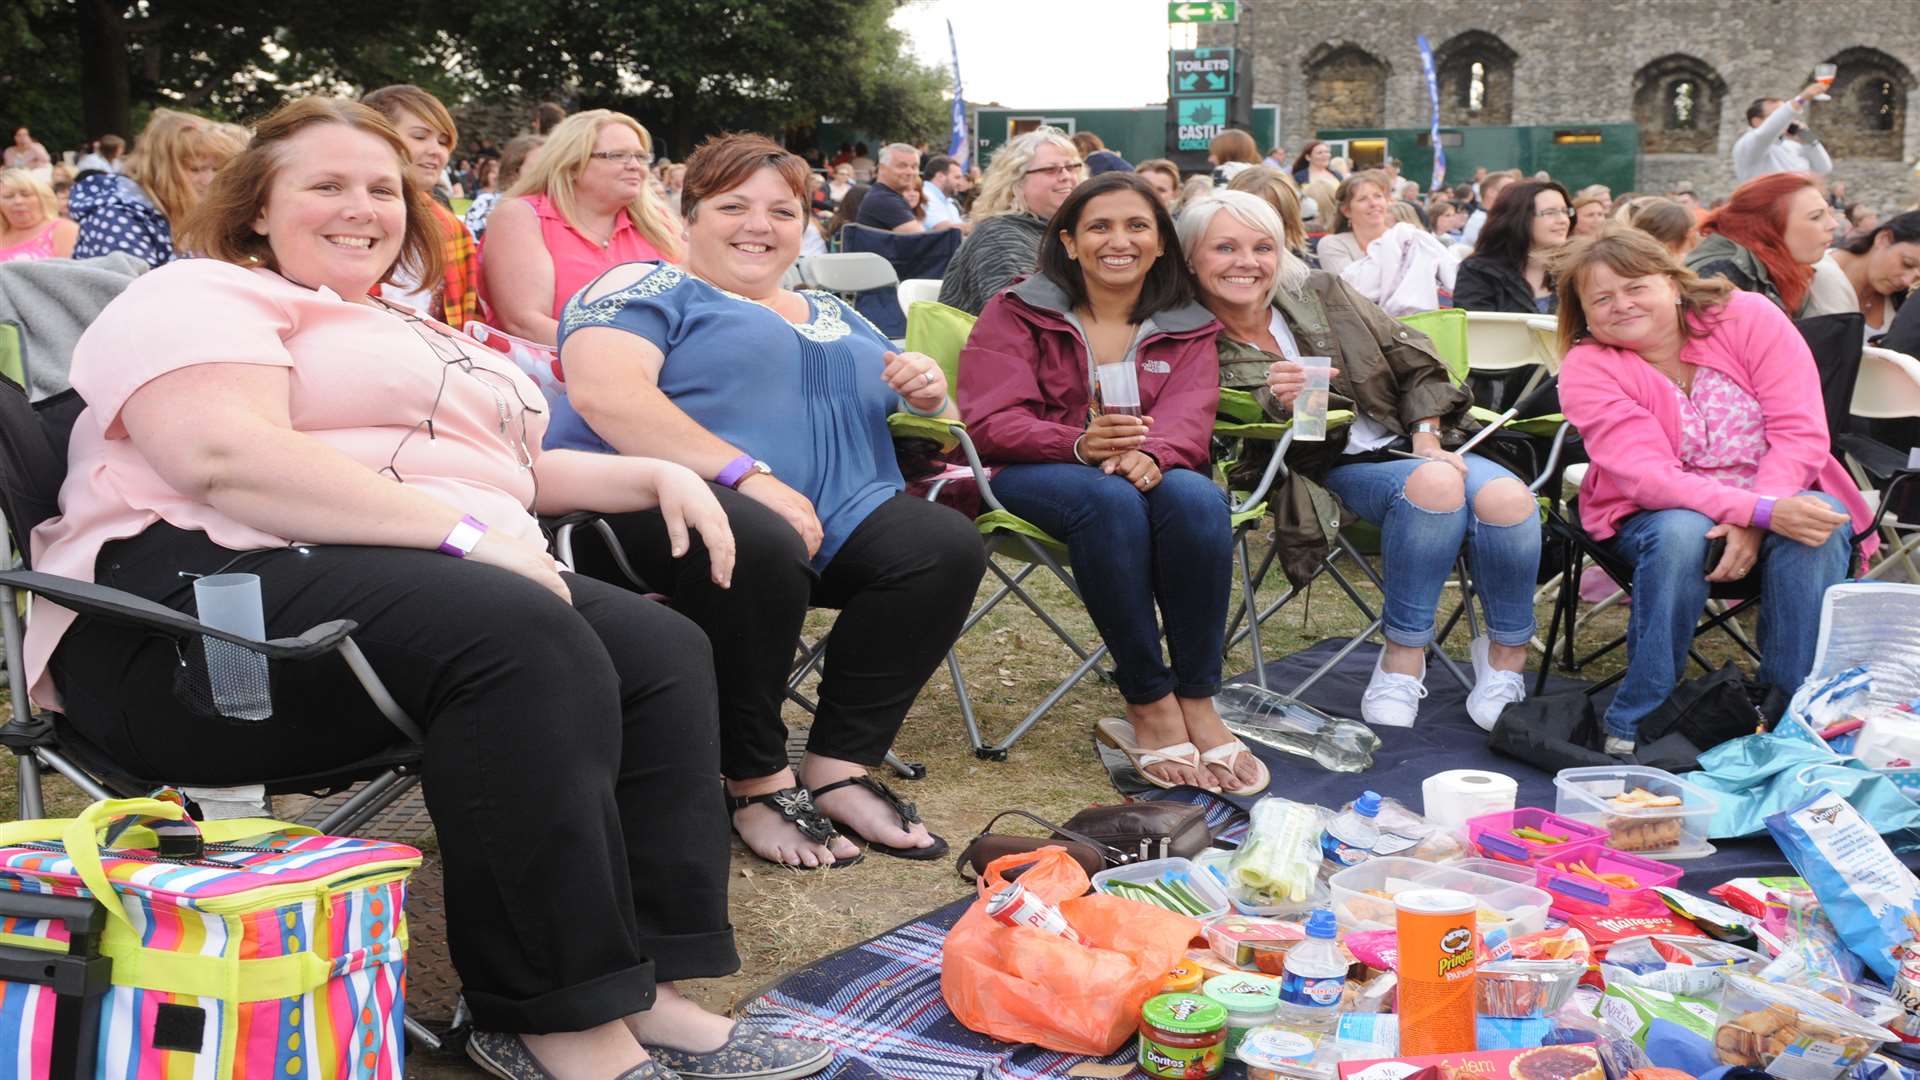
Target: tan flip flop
x,y
1116,732
1223,756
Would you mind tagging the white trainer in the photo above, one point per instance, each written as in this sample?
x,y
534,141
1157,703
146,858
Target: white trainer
x,y
1392,700
1493,689
1618,747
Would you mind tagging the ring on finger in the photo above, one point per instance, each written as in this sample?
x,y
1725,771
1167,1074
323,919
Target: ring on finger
x,y
926,378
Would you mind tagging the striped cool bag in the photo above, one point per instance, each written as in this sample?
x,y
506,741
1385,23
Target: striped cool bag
x,y
180,950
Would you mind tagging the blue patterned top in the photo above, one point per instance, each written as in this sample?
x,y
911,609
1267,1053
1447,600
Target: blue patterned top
x,y
806,398
115,214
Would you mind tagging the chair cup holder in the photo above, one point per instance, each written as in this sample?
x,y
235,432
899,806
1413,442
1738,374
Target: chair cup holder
x,y
221,680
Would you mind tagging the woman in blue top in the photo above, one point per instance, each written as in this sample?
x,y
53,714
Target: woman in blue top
x,y
781,400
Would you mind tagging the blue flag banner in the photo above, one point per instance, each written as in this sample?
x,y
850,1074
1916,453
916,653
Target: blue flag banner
x,y
958,145
1433,100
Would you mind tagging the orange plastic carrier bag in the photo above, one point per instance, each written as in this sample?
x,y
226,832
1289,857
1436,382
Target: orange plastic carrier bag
x,y
1023,985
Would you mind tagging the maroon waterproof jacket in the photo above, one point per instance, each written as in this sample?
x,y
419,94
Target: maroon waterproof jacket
x,y
1025,385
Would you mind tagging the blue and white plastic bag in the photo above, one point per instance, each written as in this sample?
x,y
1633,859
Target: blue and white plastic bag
x,y
1864,888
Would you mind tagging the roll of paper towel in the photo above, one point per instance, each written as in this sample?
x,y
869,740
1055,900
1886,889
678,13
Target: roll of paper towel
x,y
1454,796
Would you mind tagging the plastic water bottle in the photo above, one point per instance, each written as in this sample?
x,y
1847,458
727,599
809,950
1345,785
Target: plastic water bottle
x,y
1350,837
1292,726
1315,977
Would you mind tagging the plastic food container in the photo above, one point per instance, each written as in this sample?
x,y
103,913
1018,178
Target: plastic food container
x,y
1519,873
1576,894
1792,1033
1659,832
1493,834
1205,886
1279,1052
1363,895
1212,864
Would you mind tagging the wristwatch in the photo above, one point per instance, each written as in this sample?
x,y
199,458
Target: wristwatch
x,y
464,537
1427,427
737,471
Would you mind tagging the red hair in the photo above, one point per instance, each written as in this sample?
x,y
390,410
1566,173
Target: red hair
x,y
1755,217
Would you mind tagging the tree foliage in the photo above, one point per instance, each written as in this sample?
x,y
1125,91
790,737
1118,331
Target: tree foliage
x,y
74,68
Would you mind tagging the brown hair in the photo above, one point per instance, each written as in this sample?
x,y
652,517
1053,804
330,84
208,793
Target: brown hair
x,y
725,161
112,146
514,157
1233,145
1276,188
389,100
1087,142
1664,220
1163,167
1350,188
221,227
162,161
1629,253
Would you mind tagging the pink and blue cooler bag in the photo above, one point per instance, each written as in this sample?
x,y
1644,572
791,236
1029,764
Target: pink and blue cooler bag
x,y
181,950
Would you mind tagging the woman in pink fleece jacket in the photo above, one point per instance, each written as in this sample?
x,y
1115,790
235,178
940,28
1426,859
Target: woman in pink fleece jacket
x,y
1700,407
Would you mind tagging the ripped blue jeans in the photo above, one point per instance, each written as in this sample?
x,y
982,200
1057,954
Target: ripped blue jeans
x,y
1418,547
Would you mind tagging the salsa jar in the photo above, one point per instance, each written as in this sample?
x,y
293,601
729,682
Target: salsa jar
x,y
1183,1037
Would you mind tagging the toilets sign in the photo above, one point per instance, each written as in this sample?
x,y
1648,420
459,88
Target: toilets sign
x,y
1201,73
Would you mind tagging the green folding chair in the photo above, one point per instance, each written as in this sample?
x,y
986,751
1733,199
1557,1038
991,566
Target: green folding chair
x,y
13,353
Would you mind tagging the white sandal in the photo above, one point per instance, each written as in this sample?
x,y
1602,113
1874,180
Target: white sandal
x,y
1116,732
1223,756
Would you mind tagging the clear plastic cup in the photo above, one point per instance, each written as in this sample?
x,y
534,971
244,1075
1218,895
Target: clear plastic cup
x,y
1310,408
1824,74
237,675
1119,389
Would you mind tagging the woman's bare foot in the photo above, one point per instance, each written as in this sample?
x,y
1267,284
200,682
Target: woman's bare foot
x,y
675,1021
856,808
1206,730
1161,724
599,1053
773,837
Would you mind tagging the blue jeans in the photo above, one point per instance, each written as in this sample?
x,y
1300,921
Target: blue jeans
x,y
1418,547
1668,550
1131,548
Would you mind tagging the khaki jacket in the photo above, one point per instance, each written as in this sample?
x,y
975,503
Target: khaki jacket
x,y
1388,370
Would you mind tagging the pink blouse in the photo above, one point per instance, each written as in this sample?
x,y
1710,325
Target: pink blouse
x,y
1723,433
40,247
577,260
362,380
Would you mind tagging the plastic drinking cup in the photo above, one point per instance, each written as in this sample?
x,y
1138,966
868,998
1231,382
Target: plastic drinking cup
x,y
1310,408
237,675
1824,74
1119,389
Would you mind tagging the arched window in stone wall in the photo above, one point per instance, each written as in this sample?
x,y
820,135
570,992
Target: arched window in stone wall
x,y
1867,117
1346,87
1475,70
1676,102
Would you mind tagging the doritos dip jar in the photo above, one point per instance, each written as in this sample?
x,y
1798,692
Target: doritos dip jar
x,y
1182,1037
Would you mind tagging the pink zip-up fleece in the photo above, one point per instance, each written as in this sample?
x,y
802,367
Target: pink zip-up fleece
x,y
1629,418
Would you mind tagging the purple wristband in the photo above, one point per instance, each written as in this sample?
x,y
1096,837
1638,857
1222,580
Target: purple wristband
x,y
1763,512
464,538
735,471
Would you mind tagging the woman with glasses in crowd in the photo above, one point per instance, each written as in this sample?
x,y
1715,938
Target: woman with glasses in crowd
x,y
1389,466
1508,270
1029,178
582,207
135,209
781,400
1130,492
256,410
1767,239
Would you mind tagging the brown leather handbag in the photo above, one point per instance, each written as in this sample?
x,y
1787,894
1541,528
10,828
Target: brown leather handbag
x,y
1099,837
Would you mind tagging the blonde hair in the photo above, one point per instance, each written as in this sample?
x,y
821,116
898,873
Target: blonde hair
x,y
16,179
164,156
565,156
1325,195
1290,273
1000,187
1630,253
1276,187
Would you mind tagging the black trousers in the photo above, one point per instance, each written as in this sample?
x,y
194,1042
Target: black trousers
x,y
903,582
571,767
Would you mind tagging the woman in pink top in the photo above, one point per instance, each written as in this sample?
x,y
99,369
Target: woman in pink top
x,y
581,209
1700,408
30,223
255,410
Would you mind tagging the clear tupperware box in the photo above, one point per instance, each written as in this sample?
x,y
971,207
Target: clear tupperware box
x,y
1206,887
1363,895
1590,796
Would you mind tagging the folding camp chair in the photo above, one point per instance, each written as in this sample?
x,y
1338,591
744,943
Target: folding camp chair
x,y
13,353
1888,388
33,464
916,289
1505,355
909,255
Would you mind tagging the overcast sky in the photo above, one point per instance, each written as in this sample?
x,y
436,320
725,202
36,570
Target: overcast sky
x,y
1047,53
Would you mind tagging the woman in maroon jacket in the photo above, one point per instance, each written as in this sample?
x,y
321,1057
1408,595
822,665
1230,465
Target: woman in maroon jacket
x,y
1131,495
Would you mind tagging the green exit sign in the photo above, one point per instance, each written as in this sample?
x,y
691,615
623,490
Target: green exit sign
x,y
1215,11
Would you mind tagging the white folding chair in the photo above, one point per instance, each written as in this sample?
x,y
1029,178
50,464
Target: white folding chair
x,y
848,272
1500,342
918,289
1887,388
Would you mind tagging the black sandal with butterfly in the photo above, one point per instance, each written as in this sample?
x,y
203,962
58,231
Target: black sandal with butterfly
x,y
795,807
908,813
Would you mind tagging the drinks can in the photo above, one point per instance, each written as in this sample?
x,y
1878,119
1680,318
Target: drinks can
x,y
1437,930
1906,990
1015,906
